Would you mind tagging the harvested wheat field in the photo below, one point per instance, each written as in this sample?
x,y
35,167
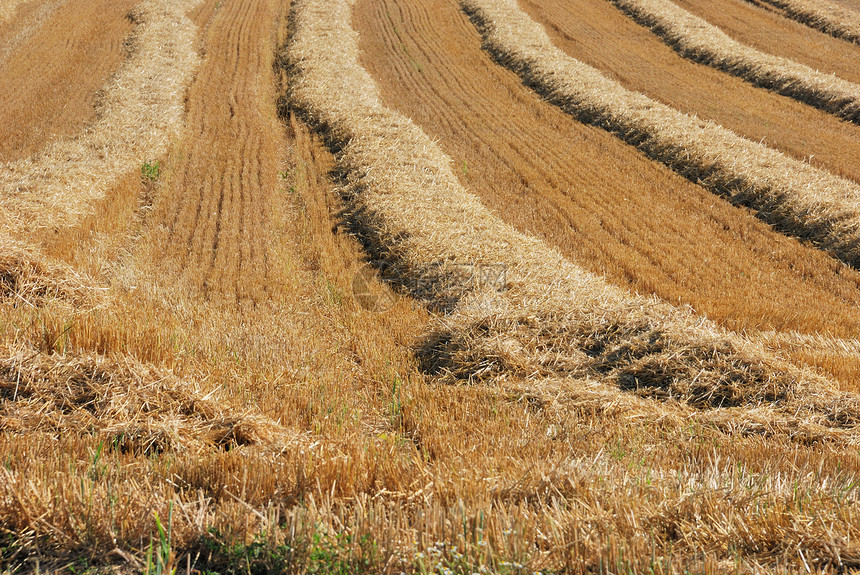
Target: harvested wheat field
x,y
427,286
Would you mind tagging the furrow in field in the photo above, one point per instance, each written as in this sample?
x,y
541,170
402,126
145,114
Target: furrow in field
x,y
216,203
600,35
767,31
547,316
580,189
49,83
791,195
696,39
140,111
838,20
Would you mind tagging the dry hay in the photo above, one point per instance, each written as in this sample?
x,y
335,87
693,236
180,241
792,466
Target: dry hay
x,y
547,318
28,279
131,406
803,341
822,15
793,196
694,38
141,109
8,9
803,416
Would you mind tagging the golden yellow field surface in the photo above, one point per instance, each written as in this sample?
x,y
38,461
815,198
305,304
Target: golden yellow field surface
x,y
428,286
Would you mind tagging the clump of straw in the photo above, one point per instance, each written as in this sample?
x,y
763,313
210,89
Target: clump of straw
x,y
27,279
134,407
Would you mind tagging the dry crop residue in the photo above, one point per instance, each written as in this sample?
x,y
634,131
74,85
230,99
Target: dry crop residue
x,y
217,199
794,197
277,426
9,8
564,182
841,20
141,108
700,41
412,211
552,318
130,392
769,32
17,30
600,35
66,61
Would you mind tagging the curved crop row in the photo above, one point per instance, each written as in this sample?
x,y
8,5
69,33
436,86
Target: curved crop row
x,y
821,15
791,195
696,39
135,406
550,318
141,110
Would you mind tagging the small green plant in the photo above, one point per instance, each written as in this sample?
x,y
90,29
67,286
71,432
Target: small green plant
x,y
97,469
150,171
160,558
337,555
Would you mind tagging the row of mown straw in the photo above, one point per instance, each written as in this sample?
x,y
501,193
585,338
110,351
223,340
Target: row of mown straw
x,y
132,406
548,318
28,279
793,196
822,15
694,38
141,109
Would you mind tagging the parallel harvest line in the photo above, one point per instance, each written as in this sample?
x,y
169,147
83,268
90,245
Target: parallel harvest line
x,y
770,31
216,209
550,317
791,195
50,84
695,38
599,201
821,15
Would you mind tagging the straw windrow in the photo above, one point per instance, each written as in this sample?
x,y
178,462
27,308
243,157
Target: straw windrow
x,y
29,279
791,195
822,15
141,110
134,407
550,318
696,39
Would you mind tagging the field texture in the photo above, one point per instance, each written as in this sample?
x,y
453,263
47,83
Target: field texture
x,y
429,286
